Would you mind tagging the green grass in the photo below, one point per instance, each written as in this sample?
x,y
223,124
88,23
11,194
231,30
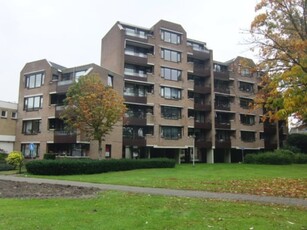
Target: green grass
x,y
199,177
117,210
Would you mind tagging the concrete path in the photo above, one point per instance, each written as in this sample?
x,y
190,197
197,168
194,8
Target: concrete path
x,y
168,192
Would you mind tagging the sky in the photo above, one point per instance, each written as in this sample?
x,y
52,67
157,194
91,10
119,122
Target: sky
x,y
69,32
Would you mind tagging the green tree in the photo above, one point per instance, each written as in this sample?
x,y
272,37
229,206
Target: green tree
x,y
279,35
15,159
93,108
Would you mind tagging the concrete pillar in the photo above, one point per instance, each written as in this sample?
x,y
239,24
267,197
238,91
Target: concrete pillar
x,y
210,156
127,152
227,156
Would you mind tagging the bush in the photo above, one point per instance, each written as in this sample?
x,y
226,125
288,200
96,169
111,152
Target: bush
x,y
299,141
3,156
283,157
15,159
88,166
6,167
49,156
300,158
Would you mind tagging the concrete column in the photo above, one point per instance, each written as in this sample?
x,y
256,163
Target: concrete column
x,y
227,156
210,156
127,153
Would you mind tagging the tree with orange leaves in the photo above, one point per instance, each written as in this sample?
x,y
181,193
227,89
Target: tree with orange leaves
x,y
93,108
279,34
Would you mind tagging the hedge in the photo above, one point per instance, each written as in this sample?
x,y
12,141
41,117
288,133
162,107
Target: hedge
x,y
278,157
49,156
88,166
6,167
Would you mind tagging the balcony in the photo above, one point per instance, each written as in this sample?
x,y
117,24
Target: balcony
x,y
223,144
222,90
134,121
222,106
201,70
221,75
222,125
136,59
201,54
202,89
202,107
200,125
133,99
134,141
64,137
203,143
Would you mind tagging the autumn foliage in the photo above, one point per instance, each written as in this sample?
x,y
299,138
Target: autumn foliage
x,y
93,108
279,35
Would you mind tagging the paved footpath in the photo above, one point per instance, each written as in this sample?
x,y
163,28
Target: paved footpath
x,y
168,192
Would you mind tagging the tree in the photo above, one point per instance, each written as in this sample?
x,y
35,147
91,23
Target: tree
x,y
15,159
279,34
93,108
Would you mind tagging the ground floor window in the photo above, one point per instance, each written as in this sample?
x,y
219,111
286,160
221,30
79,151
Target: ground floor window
x,y
108,151
30,150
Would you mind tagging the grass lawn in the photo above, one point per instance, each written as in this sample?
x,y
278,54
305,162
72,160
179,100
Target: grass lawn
x,y
278,180
117,210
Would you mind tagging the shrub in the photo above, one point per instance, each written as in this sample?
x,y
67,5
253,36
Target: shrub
x,y
49,156
15,159
6,167
300,158
88,166
299,141
273,158
3,156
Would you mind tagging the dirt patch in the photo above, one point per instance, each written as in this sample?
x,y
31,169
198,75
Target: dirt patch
x,y
14,189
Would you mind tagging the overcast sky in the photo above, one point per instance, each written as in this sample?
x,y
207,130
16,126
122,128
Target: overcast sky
x,y
68,32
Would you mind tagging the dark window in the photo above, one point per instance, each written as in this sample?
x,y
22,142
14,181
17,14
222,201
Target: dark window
x,y
3,114
168,112
31,127
246,87
173,133
247,136
108,151
30,150
14,115
33,103
247,119
222,135
136,90
245,103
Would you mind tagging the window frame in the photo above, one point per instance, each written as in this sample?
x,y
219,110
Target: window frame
x,y
34,108
171,55
34,80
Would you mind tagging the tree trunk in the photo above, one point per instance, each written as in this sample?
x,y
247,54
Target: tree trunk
x,y
100,149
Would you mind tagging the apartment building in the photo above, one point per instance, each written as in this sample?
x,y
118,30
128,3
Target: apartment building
x,y
181,103
43,87
8,118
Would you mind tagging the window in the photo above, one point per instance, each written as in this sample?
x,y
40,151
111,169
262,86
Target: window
x,y
173,113
172,133
34,80
33,103
171,93
55,77
170,37
222,135
30,150
245,72
136,70
3,114
246,87
170,55
137,111
199,117
247,119
135,90
136,132
136,32
14,115
171,74
31,127
247,136
245,103
79,74
108,151
110,81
